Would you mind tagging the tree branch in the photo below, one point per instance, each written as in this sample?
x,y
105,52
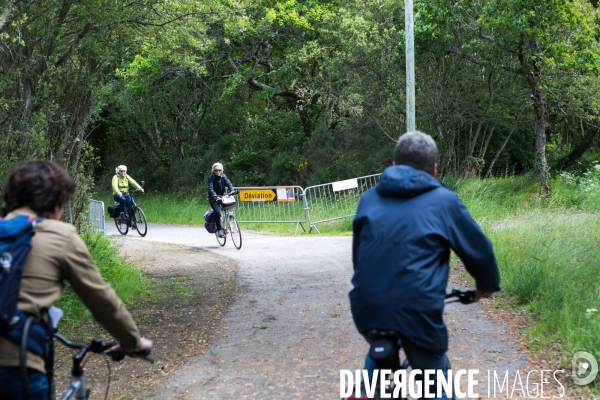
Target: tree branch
x,y
73,43
478,62
6,14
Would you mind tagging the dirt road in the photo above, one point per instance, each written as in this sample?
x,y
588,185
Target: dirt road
x,y
291,332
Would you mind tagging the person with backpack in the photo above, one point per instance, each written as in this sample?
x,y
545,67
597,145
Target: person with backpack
x,y
121,183
39,190
217,185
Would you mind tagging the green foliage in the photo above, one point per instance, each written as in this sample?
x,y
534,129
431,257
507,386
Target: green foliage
x,y
127,280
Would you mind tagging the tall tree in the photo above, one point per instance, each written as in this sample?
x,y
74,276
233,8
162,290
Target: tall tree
x,y
529,38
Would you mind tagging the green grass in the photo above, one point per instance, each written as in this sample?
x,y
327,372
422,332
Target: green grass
x,y
547,251
549,265
165,208
129,282
338,227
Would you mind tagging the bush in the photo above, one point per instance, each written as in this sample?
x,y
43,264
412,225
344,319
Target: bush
x,y
127,280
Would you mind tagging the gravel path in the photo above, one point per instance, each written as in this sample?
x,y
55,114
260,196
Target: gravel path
x,y
291,332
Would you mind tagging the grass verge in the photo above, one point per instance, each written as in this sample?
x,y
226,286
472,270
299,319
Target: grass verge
x,y
128,281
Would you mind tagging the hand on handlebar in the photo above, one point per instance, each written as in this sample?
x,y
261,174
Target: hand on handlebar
x,y
143,350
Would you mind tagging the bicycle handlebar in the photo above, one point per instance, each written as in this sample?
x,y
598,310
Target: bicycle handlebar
x,y
118,355
233,193
463,296
95,346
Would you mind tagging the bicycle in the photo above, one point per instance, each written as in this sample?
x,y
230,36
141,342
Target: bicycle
x,y
385,348
77,389
124,220
228,221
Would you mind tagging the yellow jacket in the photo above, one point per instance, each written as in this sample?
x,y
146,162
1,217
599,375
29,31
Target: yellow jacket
x,y
123,183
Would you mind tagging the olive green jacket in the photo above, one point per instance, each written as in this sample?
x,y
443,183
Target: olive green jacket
x,y
123,183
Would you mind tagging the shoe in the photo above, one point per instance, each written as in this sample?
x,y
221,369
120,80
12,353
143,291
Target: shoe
x,y
221,233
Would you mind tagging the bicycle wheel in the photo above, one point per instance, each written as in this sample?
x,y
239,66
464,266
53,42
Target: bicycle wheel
x,y
121,224
139,221
234,231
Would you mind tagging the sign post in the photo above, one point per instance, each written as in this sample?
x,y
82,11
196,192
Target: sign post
x,y
409,30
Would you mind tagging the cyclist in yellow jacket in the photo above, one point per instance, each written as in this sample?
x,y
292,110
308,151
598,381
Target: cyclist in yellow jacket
x,y
121,183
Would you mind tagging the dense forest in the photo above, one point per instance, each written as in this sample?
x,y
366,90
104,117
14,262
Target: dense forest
x,y
295,91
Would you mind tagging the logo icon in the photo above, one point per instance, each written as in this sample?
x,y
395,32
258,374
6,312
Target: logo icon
x,y
5,261
584,372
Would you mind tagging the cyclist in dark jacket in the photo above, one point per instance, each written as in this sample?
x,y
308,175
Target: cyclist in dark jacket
x,y
217,185
403,232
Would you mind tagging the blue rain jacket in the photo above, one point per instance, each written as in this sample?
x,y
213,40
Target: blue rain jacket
x,y
403,232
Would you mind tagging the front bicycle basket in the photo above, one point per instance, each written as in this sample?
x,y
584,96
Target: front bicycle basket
x,y
227,202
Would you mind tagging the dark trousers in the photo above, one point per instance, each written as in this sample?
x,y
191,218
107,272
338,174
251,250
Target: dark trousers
x,y
11,385
124,201
217,209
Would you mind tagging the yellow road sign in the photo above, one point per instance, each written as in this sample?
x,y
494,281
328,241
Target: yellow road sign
x,y
248,195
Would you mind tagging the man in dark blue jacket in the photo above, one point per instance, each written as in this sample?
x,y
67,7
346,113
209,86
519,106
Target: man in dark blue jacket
x,y
403,232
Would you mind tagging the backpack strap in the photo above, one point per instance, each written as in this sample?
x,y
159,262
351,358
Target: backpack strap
x,y
42,340
23,358
26,331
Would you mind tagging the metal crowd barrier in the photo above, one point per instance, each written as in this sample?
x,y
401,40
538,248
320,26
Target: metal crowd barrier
x,y
96,214
271,204
336,200
293,204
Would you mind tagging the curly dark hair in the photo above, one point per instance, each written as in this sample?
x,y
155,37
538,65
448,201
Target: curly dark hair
x,y
39,185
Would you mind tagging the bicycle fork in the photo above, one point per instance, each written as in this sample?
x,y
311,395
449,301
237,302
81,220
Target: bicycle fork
x,y
77,390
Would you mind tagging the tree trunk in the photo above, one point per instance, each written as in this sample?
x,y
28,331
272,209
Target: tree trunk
x,y
306,125
539,116
485,144
578,151
489,170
